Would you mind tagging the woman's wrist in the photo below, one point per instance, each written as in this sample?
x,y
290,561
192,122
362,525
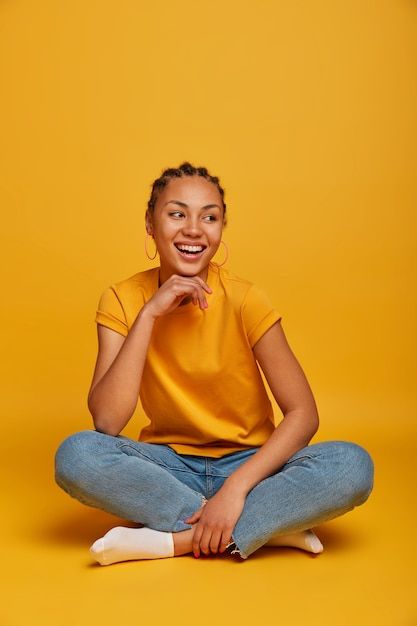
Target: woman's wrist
x,y
235,484
147,313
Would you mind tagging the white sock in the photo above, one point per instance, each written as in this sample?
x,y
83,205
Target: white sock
x,y
124,544
306,540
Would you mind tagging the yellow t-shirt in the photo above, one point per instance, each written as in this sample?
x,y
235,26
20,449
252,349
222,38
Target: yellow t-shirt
x,y
201,386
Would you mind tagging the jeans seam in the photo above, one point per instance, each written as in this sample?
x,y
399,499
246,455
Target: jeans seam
x,y
158,462
300,458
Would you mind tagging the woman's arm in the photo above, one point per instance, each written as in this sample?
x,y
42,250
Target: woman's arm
x,y
114,390
293,394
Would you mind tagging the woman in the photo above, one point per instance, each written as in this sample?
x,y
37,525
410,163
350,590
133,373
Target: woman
x,y
211,470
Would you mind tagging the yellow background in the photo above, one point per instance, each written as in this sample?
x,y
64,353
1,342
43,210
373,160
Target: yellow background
x,y
307,113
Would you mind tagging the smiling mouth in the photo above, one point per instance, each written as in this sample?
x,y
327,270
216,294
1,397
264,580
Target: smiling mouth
x,y
189,254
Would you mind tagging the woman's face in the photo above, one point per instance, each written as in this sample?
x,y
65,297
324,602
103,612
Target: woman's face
x,y
188,211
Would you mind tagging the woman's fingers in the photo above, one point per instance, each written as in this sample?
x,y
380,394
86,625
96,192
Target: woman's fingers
x,y
174,290
199,296
211,542
200,293
205,541
205,285
225,541
203,301
214,541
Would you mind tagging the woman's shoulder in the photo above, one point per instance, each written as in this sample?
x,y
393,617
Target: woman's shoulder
x,y
248,296
142,278
235,284
231,279
136,287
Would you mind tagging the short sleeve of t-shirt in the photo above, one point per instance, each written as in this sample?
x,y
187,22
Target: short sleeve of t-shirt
x,y
258,314
110,312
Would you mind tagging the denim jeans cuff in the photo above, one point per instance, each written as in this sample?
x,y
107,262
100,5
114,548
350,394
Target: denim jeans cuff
x,y
180,524
237,549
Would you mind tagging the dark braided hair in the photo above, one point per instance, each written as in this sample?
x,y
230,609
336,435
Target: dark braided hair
x,y
185,169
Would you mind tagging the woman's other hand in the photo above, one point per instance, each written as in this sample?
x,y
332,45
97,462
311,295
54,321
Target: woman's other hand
x,y
169,295
216,520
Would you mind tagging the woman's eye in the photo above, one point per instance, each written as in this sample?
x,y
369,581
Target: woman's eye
x,y
180,213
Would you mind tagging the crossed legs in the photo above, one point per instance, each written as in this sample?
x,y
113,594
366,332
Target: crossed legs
x,y
318,483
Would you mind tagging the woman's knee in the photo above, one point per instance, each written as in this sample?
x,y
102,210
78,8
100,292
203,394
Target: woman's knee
x,y
358,468
70,454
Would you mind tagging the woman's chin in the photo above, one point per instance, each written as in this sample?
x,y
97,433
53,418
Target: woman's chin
x,y
193,266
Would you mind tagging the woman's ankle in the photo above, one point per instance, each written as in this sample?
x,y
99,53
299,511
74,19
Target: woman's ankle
x,y
183,541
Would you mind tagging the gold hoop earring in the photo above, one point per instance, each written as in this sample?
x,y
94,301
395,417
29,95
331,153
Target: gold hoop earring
x,y
227,254
146,248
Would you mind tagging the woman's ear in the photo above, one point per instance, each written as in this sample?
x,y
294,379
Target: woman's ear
x,y
148,224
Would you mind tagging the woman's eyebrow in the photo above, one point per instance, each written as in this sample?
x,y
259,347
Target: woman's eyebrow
x,y
206,206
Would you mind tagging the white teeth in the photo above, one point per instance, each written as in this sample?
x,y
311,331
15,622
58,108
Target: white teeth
x,y
190,248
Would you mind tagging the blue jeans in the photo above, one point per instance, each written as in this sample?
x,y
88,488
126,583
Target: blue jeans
x,y
153,485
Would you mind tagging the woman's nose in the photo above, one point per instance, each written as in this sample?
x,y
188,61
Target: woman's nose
x,y
192,226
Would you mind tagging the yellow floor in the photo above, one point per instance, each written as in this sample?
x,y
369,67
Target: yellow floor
x,y
365,576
